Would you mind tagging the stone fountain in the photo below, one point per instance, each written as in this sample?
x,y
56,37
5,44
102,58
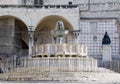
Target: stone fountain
x,y
58,48
60,62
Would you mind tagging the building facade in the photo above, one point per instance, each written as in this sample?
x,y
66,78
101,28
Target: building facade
x,y
25,24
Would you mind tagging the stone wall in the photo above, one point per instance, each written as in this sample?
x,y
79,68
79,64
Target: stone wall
x,y
104,1
6,36
56,2
16,2
92,32
61,2
8,2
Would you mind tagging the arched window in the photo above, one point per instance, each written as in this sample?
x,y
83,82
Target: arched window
x,y
38,2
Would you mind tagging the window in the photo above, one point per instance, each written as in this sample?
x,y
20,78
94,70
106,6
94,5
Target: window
x,y
93,27
38,2
70,3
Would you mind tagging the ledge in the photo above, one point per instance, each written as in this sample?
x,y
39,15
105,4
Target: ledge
x,y
39,6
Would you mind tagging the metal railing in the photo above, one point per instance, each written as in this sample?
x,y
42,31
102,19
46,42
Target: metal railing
x,y
111,65
62,64
59,69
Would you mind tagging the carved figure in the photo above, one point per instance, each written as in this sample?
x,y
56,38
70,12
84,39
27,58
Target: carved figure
x,y
106,39
59,32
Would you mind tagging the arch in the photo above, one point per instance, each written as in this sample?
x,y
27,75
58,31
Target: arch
x,y
52,19
48,23
15,28
19,21
15,17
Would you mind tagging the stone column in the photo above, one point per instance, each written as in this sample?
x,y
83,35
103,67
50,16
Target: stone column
x,y
76,37
76,34
107,53
31,40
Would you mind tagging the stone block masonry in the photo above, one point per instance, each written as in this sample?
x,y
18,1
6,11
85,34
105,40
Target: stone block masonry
x,y
7,36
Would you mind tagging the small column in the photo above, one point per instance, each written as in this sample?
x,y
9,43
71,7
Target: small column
x,y
31,40
76,34
106,48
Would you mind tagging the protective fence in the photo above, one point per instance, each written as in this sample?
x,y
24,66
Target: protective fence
x,y
59,69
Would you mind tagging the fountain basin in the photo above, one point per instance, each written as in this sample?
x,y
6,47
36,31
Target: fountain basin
x,y
55,50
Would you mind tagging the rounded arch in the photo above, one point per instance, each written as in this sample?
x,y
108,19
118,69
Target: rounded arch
x,y
50,22
15,17
16,29
17,21
47,24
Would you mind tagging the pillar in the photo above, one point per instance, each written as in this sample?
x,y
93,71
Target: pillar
x,y
31,40
107,53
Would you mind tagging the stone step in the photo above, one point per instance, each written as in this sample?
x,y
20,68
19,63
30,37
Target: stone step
x,y
83,76
36,74
32,70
